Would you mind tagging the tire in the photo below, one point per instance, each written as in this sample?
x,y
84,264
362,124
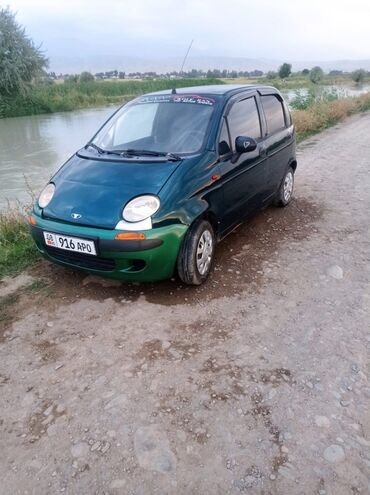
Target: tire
x,y
191,267
285,194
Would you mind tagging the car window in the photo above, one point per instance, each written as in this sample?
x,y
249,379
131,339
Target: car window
x,y
244,119
224,142
274,113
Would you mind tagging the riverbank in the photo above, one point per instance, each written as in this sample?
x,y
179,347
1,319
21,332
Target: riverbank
x,y
17,250
50,97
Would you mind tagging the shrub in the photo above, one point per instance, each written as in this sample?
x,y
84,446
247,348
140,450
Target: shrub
x,y
86,77
316,74
358,75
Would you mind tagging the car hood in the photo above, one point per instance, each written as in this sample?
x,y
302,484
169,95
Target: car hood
x,y
95,191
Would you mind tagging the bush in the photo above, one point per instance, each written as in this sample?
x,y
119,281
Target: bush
x,y
325,113
316,74
271,74
358,75
86,77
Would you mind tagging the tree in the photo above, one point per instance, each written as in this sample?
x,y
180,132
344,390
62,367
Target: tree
x,y
86,77
20,60
285,70
316,74
358,75
305,72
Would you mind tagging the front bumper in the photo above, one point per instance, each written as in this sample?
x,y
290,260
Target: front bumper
x,y
148,260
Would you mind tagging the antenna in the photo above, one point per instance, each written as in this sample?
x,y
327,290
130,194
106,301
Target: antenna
x,y
183,63
186,56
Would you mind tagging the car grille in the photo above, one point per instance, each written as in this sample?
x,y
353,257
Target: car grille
x,y
81,260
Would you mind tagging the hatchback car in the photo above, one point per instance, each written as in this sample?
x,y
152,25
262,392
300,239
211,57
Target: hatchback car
x,y
166,177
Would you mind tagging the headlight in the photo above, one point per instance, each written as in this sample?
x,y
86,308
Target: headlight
x,y
140,208
46,195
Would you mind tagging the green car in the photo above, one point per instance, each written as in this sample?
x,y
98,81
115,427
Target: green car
x,y
164,179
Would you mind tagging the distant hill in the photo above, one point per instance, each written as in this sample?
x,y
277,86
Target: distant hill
x,y
76,64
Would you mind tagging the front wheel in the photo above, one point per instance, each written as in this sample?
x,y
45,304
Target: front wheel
x,y
285,193
196,254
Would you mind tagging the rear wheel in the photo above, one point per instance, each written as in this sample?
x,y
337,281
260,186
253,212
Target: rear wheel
x,y
196,254
285,193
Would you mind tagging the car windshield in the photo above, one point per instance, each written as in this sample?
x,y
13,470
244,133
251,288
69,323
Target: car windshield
x,y
164,124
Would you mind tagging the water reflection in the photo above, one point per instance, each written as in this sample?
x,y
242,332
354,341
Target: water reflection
x,y
32,148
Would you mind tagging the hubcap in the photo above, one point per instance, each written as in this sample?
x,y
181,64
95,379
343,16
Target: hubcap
x,y
204,252
288,186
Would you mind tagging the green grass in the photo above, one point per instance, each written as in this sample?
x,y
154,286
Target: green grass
x,y
17,249
50,97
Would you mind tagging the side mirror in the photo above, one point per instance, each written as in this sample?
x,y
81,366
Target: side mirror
x,y
243,144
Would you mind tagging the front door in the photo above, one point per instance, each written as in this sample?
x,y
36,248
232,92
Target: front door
x,y
244,177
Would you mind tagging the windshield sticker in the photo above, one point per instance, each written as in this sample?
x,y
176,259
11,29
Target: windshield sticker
x,y
192,99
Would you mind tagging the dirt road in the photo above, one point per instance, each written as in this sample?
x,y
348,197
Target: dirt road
x,y
258,382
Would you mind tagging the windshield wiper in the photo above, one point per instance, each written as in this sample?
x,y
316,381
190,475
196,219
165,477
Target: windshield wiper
x,y
97,148
101,151
134,152
169,156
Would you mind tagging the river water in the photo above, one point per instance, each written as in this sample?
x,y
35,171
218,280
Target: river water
x,y
33,148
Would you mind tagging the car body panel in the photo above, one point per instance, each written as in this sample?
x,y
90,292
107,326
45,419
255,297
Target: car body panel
x,y
98,190
159,261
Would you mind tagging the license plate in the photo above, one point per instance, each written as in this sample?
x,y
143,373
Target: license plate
x,y
69,243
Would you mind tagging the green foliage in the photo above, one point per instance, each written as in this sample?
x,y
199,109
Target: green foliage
x,y
305,72
17,249
20,60
49,98
358,75
306,99
285,70
86,77
271,74
316,74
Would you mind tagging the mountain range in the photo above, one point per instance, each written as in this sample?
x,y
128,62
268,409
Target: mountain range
x,y
97,63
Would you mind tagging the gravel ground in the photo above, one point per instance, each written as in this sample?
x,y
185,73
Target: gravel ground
x,y
257,382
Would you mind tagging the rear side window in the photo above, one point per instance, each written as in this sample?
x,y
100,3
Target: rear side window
x,y
244,119
274,112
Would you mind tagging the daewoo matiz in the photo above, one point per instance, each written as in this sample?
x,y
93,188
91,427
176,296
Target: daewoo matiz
x,y
165,178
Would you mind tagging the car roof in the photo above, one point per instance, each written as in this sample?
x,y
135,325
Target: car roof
x,y
219,89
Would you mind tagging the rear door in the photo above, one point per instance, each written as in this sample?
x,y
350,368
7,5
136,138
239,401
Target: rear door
x,y
243,177
278,138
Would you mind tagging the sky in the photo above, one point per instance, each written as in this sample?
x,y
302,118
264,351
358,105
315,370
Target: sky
x,y
291,30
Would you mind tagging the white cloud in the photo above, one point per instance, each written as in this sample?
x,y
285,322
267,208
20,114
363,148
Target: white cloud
x,y
288,29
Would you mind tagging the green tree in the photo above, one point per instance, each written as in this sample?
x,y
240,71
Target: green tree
x,y
305,72
358,75
285,70
86,77
20,60
316,74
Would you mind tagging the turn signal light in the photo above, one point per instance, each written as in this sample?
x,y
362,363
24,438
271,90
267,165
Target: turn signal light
x,y
31,220
130,236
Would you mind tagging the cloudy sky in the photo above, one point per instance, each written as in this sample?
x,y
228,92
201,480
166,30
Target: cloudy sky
x,y
274,29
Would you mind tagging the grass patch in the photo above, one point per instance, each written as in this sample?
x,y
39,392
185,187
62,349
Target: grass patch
x,y
323,114
36,286
49,97
17,249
